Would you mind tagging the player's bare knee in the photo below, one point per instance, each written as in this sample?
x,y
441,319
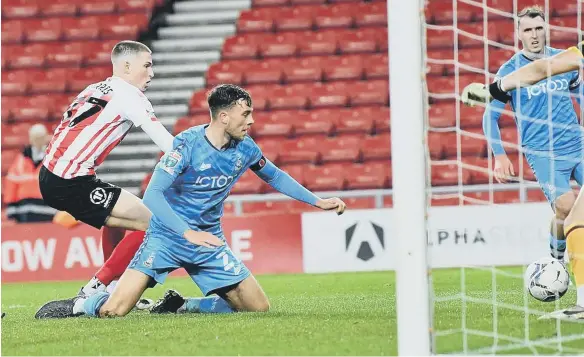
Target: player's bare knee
x,y
564,204
115,309
263,306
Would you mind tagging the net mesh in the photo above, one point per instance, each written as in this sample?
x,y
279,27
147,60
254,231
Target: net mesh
x,y
483,308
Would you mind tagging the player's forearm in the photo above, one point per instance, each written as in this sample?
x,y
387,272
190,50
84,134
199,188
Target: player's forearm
x,y
285,184
158,133
157,204
491,126
566,61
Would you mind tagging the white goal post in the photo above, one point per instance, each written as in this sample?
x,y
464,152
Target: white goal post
x,y
409,175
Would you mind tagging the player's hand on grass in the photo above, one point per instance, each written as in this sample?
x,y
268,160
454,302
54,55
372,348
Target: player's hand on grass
x,y
503,168
334,203
475,93
204,239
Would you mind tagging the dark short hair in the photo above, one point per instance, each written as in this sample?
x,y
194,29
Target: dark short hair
x,y
225,96
531,12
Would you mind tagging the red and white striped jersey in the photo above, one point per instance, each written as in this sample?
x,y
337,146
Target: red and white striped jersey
x,y
94,124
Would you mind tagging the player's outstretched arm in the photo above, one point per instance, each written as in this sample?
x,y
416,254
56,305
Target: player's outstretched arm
x,y
159,135
285,184
565,61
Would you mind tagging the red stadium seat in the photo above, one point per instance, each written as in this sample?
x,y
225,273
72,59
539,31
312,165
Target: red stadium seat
x,y
565,8
304,149
123,25
472,143
437,142
12,31
260,3
370,175
300,2
325,178
227,72
295,18
19,9
370,93
439,38
86,76
335,16
43,30
100,53
377,66
30,108
318,43
303,69
332,94
371,14
307,123
101,7
478,167
242,46
58,8
16,82
376,147
343,67
471,117
50,81
257,20
342,148
68,54
136,6
568,34
353,120
443,12
442,115
278,123
288,97
448,175
25,56
271,148
82,28
266,71
198,102
356,42
279,45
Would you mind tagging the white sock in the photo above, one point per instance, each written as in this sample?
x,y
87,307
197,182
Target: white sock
x,y
110,288
78,307
93,286
580,296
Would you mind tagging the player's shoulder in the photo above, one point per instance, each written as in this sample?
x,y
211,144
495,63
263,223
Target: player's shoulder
x,y
554,51
190,137
248,144
511,65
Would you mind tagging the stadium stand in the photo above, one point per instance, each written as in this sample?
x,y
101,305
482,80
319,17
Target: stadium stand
x,y
317,70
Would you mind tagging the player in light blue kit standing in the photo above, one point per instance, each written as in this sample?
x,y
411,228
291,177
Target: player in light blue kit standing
x,y
548,125
186,195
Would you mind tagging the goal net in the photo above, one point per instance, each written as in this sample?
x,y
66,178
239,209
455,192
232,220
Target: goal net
x,y
483,233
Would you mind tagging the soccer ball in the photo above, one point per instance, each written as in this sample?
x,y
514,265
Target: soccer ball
x,y
547,279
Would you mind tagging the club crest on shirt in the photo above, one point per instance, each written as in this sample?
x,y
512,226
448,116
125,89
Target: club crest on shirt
x,y
238,162
170,161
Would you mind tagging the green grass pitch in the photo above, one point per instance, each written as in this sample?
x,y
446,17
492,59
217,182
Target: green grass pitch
x,y
320,314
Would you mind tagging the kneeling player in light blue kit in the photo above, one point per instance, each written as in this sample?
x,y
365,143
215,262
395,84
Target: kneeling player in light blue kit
x,y
186,195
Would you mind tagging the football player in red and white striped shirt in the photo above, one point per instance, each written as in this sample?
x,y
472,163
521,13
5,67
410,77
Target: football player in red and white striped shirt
x,y
93,125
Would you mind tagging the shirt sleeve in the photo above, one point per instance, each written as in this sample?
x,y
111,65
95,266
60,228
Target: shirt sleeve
x,y
170,166
139,109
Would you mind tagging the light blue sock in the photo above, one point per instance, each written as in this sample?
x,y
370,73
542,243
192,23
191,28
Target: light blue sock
x,y
93,303
558,247
213,304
